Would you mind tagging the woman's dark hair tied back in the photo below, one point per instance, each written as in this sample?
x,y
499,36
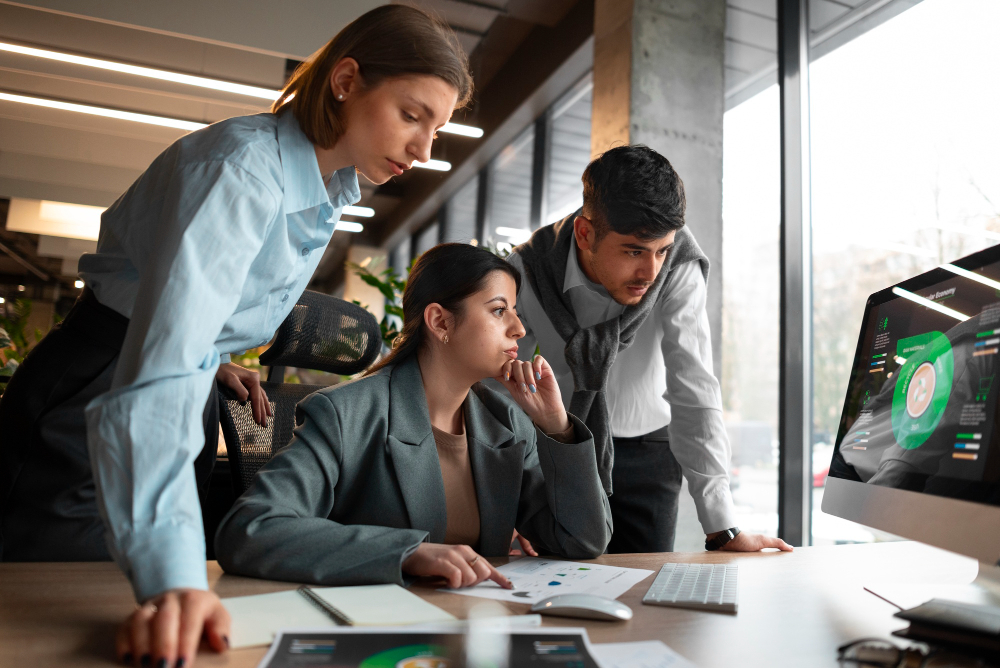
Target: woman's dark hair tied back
x,y
446,275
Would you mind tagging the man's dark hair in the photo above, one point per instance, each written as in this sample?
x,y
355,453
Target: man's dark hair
x,y
633,190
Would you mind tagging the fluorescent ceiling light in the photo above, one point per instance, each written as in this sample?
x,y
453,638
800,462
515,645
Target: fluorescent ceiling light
x,y
362,211
345,226
934,306
102,111
516,234
187,79
164,75
436,165
54,219
972,276
464,130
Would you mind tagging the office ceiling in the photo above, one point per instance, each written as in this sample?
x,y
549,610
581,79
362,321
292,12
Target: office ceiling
x,y
71,157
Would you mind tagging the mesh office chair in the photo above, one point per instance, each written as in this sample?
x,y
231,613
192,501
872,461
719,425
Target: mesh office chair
x,y
322,333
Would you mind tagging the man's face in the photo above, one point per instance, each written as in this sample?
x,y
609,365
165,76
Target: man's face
x,y
624,264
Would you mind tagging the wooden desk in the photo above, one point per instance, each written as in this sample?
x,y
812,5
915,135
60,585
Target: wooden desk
x,y
795,609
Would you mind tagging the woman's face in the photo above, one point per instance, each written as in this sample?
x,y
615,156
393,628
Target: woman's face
x,y
485,336
394,123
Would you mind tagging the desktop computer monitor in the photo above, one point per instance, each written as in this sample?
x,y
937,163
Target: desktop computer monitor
x,y
918,449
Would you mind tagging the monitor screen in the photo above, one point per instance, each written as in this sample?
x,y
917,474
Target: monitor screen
x,y
921,408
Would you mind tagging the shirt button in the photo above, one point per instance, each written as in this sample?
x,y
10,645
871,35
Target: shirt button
x,y
305,251
284,299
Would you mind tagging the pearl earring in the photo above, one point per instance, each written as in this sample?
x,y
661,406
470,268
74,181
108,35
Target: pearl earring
x,y
340,97
445,339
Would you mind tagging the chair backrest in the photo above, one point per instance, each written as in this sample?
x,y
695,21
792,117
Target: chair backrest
x,y
323,333
326,334
249,444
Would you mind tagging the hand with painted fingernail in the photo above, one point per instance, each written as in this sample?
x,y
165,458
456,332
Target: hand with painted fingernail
x,y
533,386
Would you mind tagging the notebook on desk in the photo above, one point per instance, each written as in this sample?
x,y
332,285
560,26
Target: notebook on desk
x,y
256,619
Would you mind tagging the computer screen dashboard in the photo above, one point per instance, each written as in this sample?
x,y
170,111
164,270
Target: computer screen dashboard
x,y
921,408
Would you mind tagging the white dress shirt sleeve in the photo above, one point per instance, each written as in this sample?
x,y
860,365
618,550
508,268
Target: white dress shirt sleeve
x,y
145,433
697,435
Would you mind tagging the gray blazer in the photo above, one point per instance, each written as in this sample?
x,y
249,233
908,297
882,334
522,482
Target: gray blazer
x,y
359,487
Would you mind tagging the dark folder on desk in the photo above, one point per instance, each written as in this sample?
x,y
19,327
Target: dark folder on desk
x,y
954,624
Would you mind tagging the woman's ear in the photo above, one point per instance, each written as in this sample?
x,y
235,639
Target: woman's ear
x,y
437,320
345,78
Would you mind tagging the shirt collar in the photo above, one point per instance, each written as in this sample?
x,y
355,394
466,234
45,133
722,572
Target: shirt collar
x,y
575,277
304,187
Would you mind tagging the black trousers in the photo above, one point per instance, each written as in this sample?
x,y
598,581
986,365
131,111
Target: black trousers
x,y
48,502
647,482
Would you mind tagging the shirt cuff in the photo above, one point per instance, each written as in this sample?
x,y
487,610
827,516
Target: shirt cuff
x,y
716,511
225,358
167,558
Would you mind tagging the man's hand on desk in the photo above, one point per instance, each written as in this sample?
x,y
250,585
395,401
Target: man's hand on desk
x,y
165,631
751,542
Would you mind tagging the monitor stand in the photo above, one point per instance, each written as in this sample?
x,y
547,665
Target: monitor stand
x,y
983,590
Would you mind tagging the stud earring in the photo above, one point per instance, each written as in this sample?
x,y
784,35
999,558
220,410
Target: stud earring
x,y
340,97
445,339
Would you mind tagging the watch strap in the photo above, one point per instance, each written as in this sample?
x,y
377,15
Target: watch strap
x,y
722,538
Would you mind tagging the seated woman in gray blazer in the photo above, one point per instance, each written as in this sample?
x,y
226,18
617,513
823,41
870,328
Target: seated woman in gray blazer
x,y
418,468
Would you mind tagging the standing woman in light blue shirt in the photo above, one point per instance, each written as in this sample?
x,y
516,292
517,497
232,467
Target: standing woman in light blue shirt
x,y
205,254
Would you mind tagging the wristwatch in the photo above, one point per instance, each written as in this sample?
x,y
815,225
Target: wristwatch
x,y
722,539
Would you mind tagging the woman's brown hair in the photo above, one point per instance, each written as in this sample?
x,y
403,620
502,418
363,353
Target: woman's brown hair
x,y
389,41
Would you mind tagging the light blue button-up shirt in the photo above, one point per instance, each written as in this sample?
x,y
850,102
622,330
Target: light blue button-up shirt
x,y
206,253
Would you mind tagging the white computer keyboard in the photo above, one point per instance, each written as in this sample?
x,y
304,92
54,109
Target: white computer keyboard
x,y
712,587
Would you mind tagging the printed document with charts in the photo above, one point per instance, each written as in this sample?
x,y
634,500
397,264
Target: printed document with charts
x,y
536,579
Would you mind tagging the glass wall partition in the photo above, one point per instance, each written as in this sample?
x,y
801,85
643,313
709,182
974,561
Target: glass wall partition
x,y
751,217
460,214
510,197
905,177
569,151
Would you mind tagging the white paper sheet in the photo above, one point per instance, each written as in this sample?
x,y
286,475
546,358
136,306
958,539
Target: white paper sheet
x,y
647,654
536,579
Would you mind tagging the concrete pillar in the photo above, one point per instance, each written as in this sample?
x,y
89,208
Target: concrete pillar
x,y
659,80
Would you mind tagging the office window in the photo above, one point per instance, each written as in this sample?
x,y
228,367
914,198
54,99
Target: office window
x,y
751,214
425,239
570,151
510,199
399,258
460,214
905,177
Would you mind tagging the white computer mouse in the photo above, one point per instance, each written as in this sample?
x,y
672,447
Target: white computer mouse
x,y
586,606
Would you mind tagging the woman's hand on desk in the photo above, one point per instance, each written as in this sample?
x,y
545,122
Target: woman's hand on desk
x,y
458,564
753,542
533,386
166,630
246,384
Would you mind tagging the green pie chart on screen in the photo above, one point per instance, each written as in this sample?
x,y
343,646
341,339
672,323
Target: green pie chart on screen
x,y
923,387
410,656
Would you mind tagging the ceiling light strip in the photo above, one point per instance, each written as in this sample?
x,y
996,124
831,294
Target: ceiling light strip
x,y
934,306
972,276
103,111
436,165
152,73
187,79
